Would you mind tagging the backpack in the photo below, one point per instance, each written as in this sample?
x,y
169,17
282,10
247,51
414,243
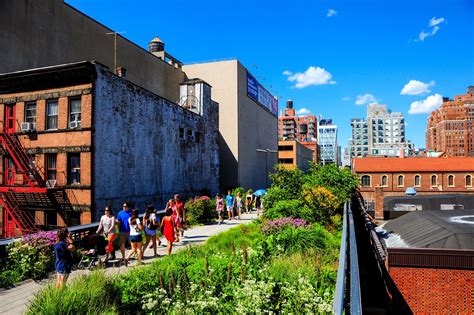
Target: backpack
x,y
150,225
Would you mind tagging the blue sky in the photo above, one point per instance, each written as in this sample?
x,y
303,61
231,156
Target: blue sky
x,y
332,51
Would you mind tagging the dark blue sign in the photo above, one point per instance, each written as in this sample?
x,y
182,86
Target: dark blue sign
x,y
252,87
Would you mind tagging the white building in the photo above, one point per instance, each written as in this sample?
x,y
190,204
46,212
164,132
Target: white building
x,y
327,141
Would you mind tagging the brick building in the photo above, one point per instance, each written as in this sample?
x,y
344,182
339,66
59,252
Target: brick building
x,y
303,129
99,139
381,176
450,128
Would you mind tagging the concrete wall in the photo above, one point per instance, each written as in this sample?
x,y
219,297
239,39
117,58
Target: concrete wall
x,y
49,32
138,155
222,76
258,129
304,157
244,126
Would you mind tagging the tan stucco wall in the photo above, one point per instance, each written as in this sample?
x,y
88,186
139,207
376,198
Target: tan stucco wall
x,y
244,125
49,32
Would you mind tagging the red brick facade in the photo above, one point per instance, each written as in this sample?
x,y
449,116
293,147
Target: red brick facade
x,y
450,128
435,290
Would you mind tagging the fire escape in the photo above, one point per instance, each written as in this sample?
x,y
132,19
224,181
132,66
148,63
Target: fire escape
x,y
20,199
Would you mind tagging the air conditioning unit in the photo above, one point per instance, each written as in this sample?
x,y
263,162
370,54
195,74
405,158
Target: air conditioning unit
x,y
26,127
74,124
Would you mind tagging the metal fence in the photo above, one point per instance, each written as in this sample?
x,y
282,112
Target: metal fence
x,y
347,298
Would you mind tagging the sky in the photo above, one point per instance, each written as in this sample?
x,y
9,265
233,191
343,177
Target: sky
x,y
331,57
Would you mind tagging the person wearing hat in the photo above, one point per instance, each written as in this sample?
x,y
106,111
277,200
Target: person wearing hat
x,y
124,227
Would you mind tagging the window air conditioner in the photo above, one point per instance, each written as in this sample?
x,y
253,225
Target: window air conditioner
x,y
74,124
26,126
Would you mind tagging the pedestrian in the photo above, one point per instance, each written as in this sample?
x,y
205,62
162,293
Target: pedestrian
x,y
107,226
124,227
181,213
248,201
258,204
63,248
136,228
219,207
169,228
238,204
230,204
175,216
151,222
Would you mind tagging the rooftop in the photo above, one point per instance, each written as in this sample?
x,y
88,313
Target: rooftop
x,y
413,164
432,229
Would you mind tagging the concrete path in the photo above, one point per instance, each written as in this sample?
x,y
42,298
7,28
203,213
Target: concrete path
x,y
15,300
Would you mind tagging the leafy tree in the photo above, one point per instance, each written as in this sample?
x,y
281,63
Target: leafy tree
x,y
322,203
290,181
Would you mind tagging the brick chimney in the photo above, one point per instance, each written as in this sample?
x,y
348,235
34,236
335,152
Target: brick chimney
x,y
402,153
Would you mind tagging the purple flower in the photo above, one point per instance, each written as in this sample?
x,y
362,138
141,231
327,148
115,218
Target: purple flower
x,y
43,238
271,226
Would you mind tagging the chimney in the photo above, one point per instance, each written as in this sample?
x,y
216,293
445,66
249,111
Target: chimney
x,y
121,72
289,104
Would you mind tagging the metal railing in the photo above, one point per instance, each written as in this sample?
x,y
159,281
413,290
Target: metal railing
x,y
347,298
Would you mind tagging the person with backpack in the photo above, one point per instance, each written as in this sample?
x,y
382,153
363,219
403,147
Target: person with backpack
x,y
151,222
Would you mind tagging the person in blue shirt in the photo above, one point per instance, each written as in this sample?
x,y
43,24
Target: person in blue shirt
x,y
63,248
124,227
229,199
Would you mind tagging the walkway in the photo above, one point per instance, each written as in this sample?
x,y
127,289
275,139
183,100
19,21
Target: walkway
x,y
14,301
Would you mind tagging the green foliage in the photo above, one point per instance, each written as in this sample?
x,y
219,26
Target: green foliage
x,y
290,181
200,211
321,202
340,181
240,190
294,208
9,277
91,294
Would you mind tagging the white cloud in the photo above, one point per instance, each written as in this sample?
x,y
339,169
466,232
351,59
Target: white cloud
x,y
303,111
286,72
415,87
312,76
346,98
434,21
427,105
365,99
434,24
331,12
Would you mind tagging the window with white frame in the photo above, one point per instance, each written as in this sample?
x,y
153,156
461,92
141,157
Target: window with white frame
x,y
451,181
30,114
384,181
417,181
434,180
52,114
468,181
365,181
400,180
75,113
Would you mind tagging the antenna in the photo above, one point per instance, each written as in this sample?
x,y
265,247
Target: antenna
x,y
115,46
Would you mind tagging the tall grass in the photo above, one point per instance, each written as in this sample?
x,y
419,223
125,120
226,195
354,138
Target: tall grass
x,y
91,294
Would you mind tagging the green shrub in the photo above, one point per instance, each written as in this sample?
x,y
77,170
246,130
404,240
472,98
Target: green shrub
x,y
200,211
91,294
240,190
9,277
29,261
289,208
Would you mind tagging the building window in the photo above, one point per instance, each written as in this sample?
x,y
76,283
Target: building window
x,y
190,135
52,114
384,181
285,161
434,181
51,168
400,181
285,148
468,181
30,114
451,181
365,181
75,113
74,168
181,133
197,136
417,180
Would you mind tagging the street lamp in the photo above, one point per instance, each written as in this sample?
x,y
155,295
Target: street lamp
x,y
266,151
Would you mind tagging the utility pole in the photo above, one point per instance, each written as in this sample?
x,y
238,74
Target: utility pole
x,y
115,47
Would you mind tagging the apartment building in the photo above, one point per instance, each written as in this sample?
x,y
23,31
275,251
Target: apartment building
x,y
302,128
450,129
292,154
327,142
381,133
77,137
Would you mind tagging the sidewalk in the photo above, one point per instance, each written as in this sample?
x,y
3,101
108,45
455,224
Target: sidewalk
x,y
14,301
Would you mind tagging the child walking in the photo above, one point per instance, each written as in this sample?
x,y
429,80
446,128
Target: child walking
x,y
63,248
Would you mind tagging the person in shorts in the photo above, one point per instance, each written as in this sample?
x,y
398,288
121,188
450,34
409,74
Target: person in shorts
x,y
63,248
230,204
136,228
124,227
151,222
220,207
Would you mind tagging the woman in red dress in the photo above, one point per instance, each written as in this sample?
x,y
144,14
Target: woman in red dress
x,y
169,228
175,216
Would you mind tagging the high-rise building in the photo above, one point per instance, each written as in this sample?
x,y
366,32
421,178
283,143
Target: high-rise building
x,y
450,128
381,133
327,141
300,128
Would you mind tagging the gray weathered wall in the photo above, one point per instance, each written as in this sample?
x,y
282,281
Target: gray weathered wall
x,y
40,33
138,155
